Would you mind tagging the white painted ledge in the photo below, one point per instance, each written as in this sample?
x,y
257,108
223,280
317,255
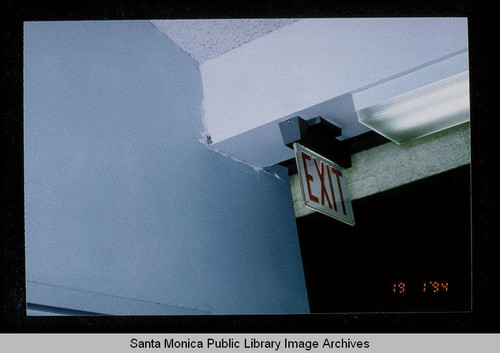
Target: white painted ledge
x,y
314,60
80,300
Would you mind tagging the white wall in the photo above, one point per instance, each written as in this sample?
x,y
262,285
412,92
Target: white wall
x,y
124,207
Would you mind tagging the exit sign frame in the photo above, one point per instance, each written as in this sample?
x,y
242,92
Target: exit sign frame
x,y
323,184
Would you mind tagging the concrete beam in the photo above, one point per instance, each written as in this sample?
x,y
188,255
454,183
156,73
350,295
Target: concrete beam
x,y
314,60
388,166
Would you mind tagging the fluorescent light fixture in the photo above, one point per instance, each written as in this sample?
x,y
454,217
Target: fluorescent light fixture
x,y
421,112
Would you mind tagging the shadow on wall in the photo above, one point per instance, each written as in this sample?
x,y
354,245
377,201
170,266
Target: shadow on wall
x,y
122,200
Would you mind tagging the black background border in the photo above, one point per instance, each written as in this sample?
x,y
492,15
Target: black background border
x,y
483,319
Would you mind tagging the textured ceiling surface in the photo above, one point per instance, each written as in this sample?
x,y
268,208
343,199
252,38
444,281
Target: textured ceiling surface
x,y
208,38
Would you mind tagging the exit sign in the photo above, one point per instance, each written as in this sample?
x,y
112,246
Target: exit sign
x,y
323,185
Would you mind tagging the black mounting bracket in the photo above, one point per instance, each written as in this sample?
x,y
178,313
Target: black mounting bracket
x,y
317,134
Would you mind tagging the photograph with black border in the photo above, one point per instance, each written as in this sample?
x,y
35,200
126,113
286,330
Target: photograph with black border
x,y
329,267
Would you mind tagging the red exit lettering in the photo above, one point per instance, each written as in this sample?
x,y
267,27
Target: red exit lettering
x,y
324,173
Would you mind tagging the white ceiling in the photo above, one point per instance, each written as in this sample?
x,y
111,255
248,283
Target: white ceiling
x,y
208,38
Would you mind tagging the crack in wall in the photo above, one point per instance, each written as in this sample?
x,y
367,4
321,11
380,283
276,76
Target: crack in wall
x,y
206,137
256,168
